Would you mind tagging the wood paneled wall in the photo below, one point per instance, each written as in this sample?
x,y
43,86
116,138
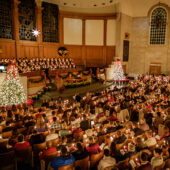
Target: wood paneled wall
x,y
81,54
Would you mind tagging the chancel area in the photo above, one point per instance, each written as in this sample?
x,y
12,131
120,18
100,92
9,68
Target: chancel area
x,y
84,85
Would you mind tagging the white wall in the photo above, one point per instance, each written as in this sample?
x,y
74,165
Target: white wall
x,y
111,32
72,31
94,33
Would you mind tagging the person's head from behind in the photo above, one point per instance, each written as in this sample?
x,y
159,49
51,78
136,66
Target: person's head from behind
x,y
84,117
53,113
64,152
8,123
106,152
79,147
64,139
52,130
157,152
107,139
113,147
158,114
49,144
144,157
119,133
20,138
91,140
54,119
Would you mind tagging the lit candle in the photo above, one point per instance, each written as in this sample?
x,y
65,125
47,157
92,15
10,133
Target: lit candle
x,y
111,138
92,122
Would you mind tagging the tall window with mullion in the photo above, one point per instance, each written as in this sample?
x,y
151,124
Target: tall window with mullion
x,y
27,20
6,26
158,26
50,22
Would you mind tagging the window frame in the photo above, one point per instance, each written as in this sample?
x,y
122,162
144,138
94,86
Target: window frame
x,y
166,29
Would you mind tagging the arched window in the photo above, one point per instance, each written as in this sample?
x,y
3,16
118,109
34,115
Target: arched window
x,y
50,22
6,28
27,19
158,26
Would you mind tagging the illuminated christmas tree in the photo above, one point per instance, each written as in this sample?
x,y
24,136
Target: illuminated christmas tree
x,y
12,92
118,71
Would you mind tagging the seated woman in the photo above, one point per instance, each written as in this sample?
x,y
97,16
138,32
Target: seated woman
x,y
107,143
93,148
50,149
64,159
41,126
21,144
80,153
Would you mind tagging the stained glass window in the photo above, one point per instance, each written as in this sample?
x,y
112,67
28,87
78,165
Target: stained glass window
x,y
158,26
50,22
27,19
6,28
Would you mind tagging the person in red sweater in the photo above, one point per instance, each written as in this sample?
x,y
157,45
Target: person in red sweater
x,y
93,148
21,144
50,149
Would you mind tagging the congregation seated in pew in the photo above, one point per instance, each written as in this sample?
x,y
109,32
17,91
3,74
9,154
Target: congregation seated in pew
x,y
51,128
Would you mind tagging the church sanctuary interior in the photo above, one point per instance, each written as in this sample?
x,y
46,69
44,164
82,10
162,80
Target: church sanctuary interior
x,y
84,84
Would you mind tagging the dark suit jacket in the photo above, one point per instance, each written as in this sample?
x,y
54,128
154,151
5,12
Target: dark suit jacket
x,y
84,125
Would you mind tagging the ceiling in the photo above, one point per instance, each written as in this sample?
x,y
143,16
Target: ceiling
x,y
86,6
135,8
83,3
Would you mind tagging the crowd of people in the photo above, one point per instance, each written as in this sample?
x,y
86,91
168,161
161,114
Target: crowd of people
x,y
26,65
128,126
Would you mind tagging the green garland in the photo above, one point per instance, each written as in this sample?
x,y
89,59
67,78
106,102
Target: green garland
x,y
37,81
75,75
86,74
64,77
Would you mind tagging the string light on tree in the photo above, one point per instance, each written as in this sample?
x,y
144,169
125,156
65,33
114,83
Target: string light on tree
x,y
12,92
118,71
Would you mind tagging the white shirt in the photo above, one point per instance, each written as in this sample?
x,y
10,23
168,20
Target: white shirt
x,y
106,162
51,137
151,142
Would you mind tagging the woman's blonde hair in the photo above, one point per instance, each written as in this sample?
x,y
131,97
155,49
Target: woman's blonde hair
x,y
40,122
91,140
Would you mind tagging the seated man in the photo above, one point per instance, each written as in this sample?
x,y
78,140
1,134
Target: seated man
x,y
106,161
52,135
63,160
84,125
21,144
